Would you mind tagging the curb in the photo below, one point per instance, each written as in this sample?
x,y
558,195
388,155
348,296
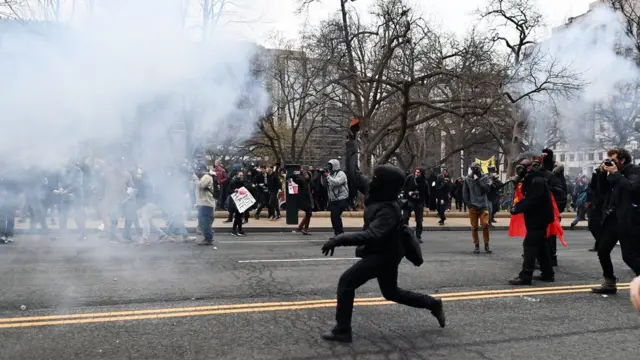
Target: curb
x,y
284,229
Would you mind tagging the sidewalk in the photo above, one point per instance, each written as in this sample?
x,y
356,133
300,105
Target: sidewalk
x,y
318,224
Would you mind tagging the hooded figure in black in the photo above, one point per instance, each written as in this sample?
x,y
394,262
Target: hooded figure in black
x,y
554,173
380,249
538,214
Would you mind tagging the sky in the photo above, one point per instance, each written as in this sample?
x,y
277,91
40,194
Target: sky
x,y
263,20
279,17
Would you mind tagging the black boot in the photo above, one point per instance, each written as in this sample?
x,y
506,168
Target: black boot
x,y
477,249
337,335
519,281
608,287
438,312
487,249
544,278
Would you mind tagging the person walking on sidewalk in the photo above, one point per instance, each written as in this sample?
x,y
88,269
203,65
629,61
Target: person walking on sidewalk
x,y
416,194
440,191
475,190
304,200
338,189
205,202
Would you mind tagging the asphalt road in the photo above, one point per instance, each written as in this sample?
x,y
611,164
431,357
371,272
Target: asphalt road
x,y
269,296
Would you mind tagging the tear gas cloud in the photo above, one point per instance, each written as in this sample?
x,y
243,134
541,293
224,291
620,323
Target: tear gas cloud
x,y
127,74
587,49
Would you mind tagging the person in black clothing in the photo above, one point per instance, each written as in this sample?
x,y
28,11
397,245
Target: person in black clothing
x,y
594,205
538,214
416,194
304,200
440,192
380,249
619,185
262,190
9,202
251,186
275,184
554,173
235,184
460,205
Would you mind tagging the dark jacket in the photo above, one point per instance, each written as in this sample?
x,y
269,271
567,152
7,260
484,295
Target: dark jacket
x,y
259,180
536,204
235,184
274,182
557,187
419,187
380,234
474,191
621,197
441,190
304,200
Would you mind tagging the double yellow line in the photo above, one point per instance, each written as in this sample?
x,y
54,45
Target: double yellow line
x,y
153,314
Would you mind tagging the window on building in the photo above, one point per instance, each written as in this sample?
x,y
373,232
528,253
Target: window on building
x,y
601,156
572,157
590,156
562,158
580,156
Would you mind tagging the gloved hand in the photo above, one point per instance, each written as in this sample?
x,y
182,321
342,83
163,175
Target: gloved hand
x,y
329,247
513,210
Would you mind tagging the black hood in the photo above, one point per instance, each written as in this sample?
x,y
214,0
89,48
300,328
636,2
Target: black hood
x,y
386,184
548,161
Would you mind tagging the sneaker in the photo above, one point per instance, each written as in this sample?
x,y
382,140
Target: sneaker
x,y
608,287
476,250
9,239
420,240
487,249
234,233
338,336
227,221
205,243
241,234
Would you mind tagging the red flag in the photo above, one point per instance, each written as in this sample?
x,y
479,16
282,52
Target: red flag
x,y
517,227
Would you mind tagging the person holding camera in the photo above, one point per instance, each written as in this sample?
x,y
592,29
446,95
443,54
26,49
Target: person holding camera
x,y
338,190
475,190
619,185
416,194
537,207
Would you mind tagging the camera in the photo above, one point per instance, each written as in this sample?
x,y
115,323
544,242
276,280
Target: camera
x,y
608,162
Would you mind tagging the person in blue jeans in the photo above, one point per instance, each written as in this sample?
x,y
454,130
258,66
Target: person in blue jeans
x,y
205,185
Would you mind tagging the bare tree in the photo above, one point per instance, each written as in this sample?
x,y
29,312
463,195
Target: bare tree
x,y
615,118
529,72
630,11
300,95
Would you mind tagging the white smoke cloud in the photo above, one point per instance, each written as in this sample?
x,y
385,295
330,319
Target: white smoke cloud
x,y
65,84
588,49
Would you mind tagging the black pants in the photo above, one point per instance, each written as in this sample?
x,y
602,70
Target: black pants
x,y
536,246
337,208
595,227
628,246
418,210
441,209
274,207
263,200
386,271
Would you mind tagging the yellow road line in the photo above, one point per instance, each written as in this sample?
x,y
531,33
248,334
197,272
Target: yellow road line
x,y
29,322
270,304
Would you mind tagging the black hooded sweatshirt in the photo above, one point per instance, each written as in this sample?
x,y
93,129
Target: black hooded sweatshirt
x,y
382,217
536,204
